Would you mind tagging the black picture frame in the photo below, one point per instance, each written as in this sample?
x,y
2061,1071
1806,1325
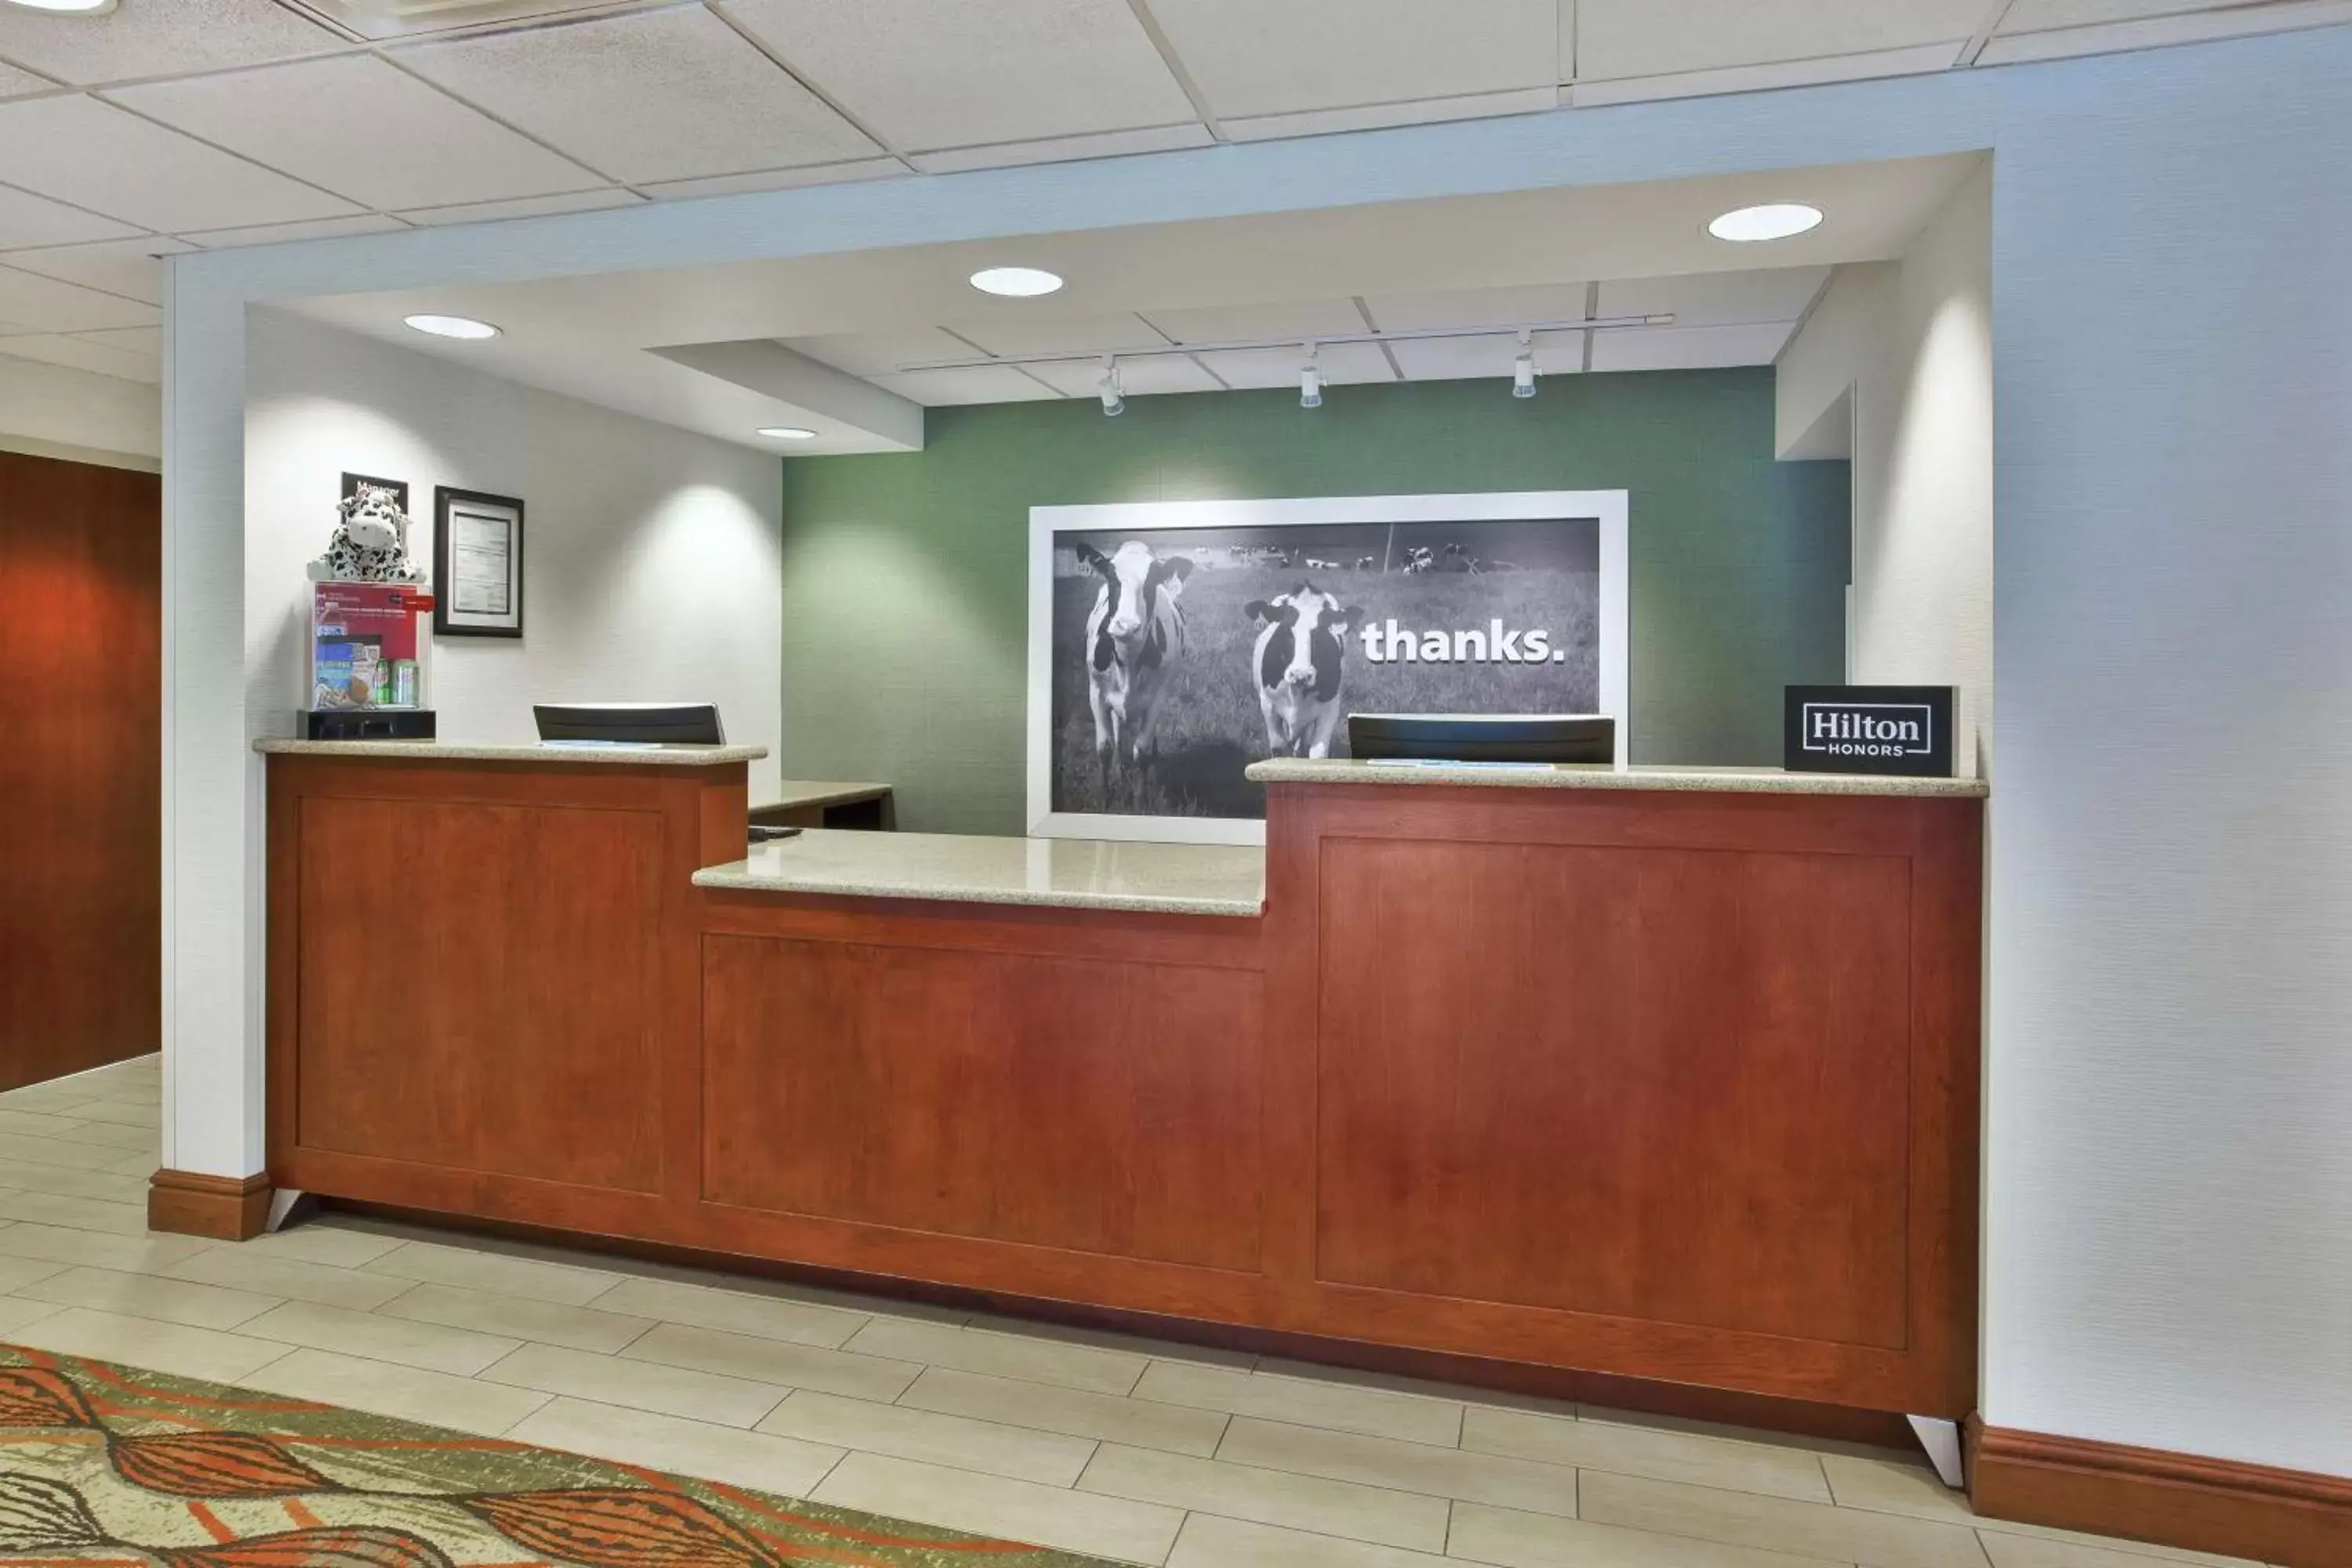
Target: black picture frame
x,y
351,483
449,620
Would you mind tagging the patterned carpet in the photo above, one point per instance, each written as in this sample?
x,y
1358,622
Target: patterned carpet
x,y
103,1465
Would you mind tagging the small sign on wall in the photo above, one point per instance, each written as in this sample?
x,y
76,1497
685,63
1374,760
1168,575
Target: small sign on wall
x,y
1868,729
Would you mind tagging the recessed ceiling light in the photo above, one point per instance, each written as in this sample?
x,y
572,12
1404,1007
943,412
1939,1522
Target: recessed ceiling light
x,y
787,433
74,7
1773,220
453,326
1015,283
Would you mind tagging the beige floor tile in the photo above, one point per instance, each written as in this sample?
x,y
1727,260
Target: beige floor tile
x,y
16,1273
1269,1497
776,1360
1001,1355
74,1213
1650,1421
249,1268
150,1254
1777,1524
112,1134
1400,1466
323,1243
57,1152
16,1312
1137,1423
543,1323
150,1295
142,1342
1483,1534
440,1265
459,1351
779,1465
110,1186
1642,1451
1887,1486
1425,1388
1374,1412
1208,1541
55,1099
959,1441
639,1384
2046,1551
38,1123
411,1393
1104,1339
141,1165
733,1312
144,1112
1012,1511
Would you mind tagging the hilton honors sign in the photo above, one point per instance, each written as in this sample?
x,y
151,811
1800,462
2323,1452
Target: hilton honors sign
x,y
1869,730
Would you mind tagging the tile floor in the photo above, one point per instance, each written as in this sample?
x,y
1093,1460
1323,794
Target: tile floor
x,y
1127,1449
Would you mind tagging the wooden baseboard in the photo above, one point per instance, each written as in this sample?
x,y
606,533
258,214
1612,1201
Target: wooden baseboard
x,y
2293,1517
225,1208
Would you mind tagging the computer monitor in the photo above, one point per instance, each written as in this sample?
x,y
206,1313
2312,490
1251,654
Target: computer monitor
x,y
629,723
1482,737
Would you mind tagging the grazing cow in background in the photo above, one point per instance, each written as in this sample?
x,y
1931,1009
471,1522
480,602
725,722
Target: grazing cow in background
x,y
1313,564
1458,559
1365,563
1299,662
1420,560
1134,629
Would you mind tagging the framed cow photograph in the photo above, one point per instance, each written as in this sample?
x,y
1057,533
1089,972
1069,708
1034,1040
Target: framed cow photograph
x,y
1173,643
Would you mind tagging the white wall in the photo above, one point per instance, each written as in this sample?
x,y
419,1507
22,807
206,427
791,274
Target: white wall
x,y
650,555
2170,1181
1912,342
55,411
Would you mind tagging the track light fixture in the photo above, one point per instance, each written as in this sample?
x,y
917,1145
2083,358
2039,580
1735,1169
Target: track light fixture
x,y
1114,403
1523,372
1310,382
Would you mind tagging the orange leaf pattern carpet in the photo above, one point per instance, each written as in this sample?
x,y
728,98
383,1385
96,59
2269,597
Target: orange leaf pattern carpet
x,y
105,1467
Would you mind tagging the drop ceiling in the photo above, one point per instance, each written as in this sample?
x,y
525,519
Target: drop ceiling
x,y
176,123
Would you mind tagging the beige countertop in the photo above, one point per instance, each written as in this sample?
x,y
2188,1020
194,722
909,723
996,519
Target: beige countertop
x,y
1067,873
486,752
1603,776
788,795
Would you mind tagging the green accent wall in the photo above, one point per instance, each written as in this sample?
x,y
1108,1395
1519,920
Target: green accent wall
x,y
905,590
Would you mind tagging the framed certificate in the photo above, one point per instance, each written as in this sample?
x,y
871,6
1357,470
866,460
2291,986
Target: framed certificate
x,y
477,565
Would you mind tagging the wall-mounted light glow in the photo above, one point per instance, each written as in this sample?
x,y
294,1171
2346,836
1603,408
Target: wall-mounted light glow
x,y
787,433
1114,402
1015,283
464,327
70,7
1773,220
1523,369
1310,382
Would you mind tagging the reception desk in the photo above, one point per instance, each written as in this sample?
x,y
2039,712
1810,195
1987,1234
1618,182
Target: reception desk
x,y
1660,1075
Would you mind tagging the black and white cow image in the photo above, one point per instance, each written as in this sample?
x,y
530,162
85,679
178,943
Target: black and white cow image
x,y
1299,662
1420,559
1134,630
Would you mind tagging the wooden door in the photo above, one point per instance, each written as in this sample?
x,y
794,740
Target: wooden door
x,y
80,766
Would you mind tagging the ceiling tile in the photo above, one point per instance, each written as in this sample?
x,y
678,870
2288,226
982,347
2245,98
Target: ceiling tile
x,y
52,348
147,341
362,129
1719,298
26,219
15,83
126,267
1065,149
1016,332
526,206
1343,364
174,39
667,95
1920,59
1151,377
1478,308
1380,116
930,74
2035,15
1252,56
1650,37
876,353
46,305
1687,347
104,158
286,233
850,172
980,383
1299,318
1463,359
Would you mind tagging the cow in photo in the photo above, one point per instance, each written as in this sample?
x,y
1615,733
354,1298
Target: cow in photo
x,y
1135,629
1298,663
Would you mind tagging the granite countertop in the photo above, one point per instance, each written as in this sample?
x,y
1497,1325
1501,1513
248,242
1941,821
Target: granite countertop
x,y
488,752
1067,873
1603,775
787,794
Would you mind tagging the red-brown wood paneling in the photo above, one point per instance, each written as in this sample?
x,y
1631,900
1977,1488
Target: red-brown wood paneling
x,y
80,766
1057,1101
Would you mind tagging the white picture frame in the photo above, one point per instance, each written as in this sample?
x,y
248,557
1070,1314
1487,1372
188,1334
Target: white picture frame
x,y
1608,509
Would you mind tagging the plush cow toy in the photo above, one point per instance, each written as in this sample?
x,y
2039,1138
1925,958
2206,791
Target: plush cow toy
x,y
370,543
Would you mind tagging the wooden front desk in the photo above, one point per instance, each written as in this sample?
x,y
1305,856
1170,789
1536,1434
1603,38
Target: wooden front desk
x,y
1669,1084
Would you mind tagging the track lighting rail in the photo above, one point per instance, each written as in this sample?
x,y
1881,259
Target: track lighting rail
x,y
1419,334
